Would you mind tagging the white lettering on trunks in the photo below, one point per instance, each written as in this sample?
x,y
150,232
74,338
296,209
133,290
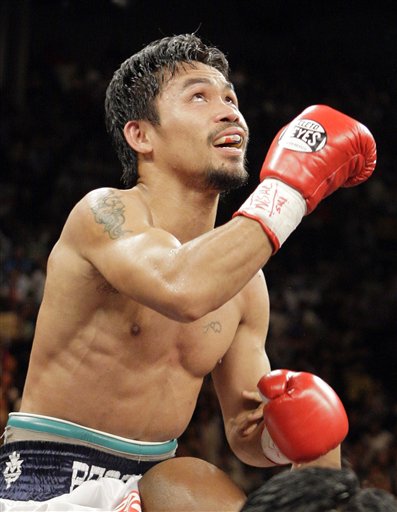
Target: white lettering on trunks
x,y
83,472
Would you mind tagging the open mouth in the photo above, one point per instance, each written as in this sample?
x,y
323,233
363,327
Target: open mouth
x,y
233,140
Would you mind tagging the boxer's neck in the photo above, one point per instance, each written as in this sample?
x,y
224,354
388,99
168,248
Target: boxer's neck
x,y
183,211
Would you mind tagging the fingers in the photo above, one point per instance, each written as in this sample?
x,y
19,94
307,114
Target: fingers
x,y
249,430
251,421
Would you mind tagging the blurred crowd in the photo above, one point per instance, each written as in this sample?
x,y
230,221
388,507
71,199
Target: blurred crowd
x,y
333,286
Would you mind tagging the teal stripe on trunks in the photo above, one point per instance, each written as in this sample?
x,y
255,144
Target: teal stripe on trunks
x,y
71,430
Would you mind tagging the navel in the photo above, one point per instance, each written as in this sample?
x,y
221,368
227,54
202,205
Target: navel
x,y
135,329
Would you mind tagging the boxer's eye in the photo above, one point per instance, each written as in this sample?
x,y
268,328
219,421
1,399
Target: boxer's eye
x,y
198,96
230,99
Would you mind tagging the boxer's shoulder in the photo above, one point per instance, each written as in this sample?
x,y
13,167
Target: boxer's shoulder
x,y
111,205
106,214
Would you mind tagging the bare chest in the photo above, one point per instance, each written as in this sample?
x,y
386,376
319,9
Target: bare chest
x,y
153,340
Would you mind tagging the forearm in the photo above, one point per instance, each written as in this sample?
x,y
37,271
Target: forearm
x,y
209,270
247,447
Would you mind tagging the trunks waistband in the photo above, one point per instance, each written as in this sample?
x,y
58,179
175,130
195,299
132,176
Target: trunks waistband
x,y
70,430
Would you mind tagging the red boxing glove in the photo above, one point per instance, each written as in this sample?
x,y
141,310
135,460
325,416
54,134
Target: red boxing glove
x,y
304,418
318,152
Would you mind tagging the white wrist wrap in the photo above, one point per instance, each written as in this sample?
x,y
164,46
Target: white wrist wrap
x,y
271,451
279,208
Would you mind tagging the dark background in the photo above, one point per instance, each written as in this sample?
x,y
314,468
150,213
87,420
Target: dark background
x,y
333,285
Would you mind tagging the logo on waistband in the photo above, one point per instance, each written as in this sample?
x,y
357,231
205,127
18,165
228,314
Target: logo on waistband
x,y
13,469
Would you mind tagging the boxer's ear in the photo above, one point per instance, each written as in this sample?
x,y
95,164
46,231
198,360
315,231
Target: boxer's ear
x,y
136,135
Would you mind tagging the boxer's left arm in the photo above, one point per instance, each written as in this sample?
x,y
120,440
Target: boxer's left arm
x,y
240,368
236,385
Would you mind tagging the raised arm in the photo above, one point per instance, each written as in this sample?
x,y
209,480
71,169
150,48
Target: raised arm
x,y
183,281
320,151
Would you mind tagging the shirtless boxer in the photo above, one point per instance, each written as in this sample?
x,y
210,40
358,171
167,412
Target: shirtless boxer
x,y
144,297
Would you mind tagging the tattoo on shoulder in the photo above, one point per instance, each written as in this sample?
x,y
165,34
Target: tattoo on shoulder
x,y
213,326
109,211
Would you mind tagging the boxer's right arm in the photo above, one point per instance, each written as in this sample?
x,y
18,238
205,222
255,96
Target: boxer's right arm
x,y
186,280
183,281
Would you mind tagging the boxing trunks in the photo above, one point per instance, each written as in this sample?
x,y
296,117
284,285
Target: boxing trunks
x,y
44,457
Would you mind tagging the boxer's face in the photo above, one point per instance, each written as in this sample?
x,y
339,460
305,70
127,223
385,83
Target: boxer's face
x,y
202,135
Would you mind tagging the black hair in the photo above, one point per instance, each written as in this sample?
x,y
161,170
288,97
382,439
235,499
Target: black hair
x,y
135,85
312,489
317,489
373,500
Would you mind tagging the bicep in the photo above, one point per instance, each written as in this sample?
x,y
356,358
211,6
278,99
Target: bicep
x,y
119,242
137,264
240,371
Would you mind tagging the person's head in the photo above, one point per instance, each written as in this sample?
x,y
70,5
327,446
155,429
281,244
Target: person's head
x,y
189,484
142,93
316,489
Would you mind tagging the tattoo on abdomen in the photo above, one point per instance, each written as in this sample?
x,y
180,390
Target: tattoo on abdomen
x,y
109,211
